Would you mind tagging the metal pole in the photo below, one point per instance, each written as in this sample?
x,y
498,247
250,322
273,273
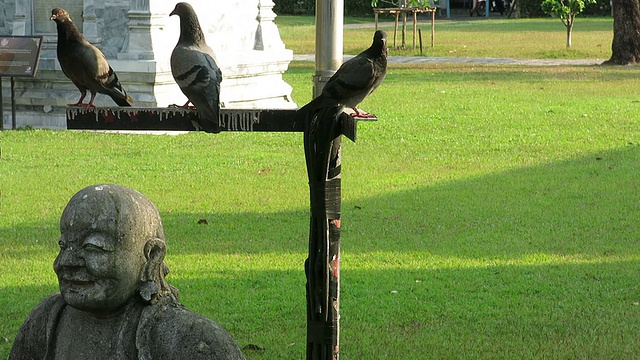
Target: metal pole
x,y
322,150
322,143
1,107
329,32
13,104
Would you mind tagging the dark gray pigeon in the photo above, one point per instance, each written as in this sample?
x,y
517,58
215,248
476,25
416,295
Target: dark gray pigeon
x,y
195,70
356,78
84,64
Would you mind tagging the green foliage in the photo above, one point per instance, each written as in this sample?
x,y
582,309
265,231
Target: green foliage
x,y
566,10
528,8
294,7
397,3
598,8
307,7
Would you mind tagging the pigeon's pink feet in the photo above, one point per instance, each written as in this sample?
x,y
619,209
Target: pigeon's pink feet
x,y
186,105
79,103
89,106
362,114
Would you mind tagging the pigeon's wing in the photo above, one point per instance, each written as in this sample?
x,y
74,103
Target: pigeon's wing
x,y
108,81
76,63
355,79
352,82
198,76
212,90
92,70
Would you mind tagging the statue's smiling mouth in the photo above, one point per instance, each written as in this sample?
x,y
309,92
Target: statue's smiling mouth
x,y
76,280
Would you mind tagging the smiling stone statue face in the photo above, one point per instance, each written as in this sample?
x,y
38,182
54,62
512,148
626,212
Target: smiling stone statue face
x,y
102,247
113,292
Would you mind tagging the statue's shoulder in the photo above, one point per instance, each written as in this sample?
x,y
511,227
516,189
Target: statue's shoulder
x,y
32,340
170,331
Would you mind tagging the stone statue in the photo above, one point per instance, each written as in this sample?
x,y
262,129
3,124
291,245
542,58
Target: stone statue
x,y
114,301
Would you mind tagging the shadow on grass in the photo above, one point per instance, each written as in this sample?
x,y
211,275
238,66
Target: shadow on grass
x,y
583,205
583,210
506,311
587,205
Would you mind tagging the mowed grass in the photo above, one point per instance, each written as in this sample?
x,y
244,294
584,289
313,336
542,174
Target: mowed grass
x,y
491,213
509,38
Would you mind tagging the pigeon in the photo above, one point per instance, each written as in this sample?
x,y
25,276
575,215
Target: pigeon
x,y
194,69
356,78
84,64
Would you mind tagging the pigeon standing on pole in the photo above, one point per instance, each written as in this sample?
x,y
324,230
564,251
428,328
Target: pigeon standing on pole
x,y
194,68
356,78
84,64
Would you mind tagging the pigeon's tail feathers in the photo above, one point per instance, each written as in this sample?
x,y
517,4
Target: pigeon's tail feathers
x,y
210,117
320,102
122,99
208,112
114,89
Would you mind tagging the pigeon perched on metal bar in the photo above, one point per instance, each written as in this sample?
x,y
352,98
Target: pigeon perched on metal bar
x,y
195,70
356,78
84,64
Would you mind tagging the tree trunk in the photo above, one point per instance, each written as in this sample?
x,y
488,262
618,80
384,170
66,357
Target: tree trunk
x,y
569,31
625,47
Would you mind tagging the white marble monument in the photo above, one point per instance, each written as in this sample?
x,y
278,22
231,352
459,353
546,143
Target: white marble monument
x,y
137,36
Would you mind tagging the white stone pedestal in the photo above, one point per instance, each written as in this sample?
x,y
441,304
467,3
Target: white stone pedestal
x,y
137,37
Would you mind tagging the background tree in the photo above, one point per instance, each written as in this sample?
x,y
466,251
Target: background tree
x,y
566,10
625,48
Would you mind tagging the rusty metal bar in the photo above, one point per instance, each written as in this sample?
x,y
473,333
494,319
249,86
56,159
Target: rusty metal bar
x,y
322,147
178,119
323,130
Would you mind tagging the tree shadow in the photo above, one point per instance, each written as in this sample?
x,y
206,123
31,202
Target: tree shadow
x,y
544,252
586,205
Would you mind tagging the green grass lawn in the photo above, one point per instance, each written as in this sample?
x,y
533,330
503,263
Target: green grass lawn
x,y
491,213
511,38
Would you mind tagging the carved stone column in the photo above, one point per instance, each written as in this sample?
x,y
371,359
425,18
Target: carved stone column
x,y
90,23
267,34
146,23
20,21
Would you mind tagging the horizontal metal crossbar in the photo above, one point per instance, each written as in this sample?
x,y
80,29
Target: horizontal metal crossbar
x,y
179,119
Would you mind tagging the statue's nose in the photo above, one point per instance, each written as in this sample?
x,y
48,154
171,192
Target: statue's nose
x,y
67,257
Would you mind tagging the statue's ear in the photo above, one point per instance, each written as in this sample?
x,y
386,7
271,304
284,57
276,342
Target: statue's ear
x,y
153,272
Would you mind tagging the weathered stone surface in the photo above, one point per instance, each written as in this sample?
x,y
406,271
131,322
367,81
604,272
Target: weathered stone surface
x,y
114,302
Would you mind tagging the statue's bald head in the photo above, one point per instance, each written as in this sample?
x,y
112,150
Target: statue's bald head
x,y
109,206
113,235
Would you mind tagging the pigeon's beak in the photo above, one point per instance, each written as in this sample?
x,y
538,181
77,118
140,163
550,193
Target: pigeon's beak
x,y
53,17
172,13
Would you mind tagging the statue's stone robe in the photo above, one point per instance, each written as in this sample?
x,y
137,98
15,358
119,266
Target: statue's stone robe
x,y
160,331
